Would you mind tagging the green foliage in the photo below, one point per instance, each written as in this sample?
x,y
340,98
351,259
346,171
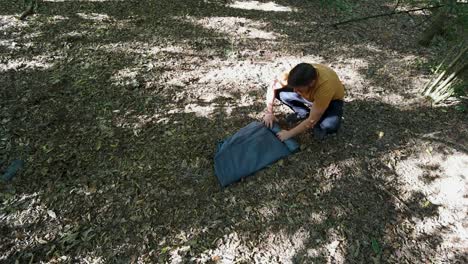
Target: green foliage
x,y
375,246
458,22
450,76
461,12
461,108
345,6
460,89
33,3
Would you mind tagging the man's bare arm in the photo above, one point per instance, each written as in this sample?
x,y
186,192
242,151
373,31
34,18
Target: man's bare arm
x,y
270,97
314,116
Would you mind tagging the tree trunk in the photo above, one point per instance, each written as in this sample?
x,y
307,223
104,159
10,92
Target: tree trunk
x,y
30,9
439,21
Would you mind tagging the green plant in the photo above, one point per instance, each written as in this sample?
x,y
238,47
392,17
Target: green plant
x,y
449,77
340,5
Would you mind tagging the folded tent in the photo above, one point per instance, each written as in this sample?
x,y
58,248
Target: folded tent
x,y
252,148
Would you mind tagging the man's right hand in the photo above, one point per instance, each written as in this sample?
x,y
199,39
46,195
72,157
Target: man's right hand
x,y
268,119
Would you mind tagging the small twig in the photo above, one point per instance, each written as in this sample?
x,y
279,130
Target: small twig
x,y
396,198
385,14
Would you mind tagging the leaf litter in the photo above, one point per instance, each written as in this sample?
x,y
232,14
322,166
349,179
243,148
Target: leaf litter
x,y
117,121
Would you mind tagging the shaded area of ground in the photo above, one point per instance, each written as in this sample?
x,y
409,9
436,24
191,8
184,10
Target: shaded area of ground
x,y
116,107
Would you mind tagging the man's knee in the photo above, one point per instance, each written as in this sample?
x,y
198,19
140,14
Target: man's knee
x,y
331,124
285,96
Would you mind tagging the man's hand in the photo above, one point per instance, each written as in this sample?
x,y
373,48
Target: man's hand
x,y
284,135
268,119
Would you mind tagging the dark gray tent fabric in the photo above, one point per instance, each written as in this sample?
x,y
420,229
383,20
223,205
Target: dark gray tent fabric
x,y
252,148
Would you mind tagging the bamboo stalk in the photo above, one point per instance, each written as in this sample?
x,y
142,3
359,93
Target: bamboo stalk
x,y
424,90
443,90
442,86
453,50
437,96
450,78
443,97
429,90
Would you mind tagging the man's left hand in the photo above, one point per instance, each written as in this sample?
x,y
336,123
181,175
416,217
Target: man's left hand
x,y
284,135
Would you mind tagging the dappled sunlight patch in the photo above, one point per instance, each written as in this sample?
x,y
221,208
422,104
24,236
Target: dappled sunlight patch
x,y
268,210
32,35
17,44
30,214
229,108
180,48
417,83
383,73
91,258
11,22
198,110
26,211
76,34
441,177
94,16
237,83
352,72
282,245
244,74
261,6
317,217
235,27
37,62
349,73
394,99
136,123
10,44
240,73
126,77
358,77
125,47
370,47
56,19
150,51
275,247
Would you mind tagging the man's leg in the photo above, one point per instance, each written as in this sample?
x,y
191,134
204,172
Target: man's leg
x,y
297,103
330,121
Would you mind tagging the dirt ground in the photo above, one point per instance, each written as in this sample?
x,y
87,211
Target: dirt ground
x,y
116,108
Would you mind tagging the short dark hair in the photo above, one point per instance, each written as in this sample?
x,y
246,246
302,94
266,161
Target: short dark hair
x,y
301,75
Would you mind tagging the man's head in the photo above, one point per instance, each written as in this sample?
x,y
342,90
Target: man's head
x,y
302,77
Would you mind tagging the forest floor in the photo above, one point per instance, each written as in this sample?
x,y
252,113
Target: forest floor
x,y
116,108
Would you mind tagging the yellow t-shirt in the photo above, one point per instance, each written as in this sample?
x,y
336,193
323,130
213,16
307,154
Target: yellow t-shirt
x,y
328,86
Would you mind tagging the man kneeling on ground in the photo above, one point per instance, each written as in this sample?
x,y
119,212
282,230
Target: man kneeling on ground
x,y
315,94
